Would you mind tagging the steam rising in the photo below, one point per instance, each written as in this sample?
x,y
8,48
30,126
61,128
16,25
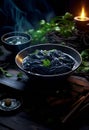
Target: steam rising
x,y
25,14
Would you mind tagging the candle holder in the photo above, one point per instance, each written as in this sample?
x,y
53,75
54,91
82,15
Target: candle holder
x,y
82,24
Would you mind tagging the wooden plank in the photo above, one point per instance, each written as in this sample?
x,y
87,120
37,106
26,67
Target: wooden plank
x,y
20,121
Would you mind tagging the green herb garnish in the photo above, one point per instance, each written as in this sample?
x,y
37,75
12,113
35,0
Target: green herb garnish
x,y
64,25
46,62
84,67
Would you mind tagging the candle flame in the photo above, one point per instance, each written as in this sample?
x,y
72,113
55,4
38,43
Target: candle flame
x,y
82,13
82,16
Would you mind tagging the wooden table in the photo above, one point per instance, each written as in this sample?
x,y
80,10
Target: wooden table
x,y
42,108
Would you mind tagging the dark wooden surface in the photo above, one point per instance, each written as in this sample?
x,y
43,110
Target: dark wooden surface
x,y
41,110
43,106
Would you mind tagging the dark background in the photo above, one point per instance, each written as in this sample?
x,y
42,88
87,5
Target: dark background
x,y
23,14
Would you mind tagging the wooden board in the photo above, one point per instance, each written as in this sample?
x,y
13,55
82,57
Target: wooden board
x,y
12,69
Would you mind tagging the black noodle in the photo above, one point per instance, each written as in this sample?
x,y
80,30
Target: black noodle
x,y
48,62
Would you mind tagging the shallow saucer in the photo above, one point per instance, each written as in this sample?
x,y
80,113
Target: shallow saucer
x,y
8,104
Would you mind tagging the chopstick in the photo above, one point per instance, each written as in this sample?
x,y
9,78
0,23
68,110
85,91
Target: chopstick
x,y
75,108
80,99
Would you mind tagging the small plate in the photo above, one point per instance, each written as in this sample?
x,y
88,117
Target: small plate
x,y
9,104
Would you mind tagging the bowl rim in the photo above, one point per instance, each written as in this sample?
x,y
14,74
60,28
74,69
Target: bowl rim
x,y
45,75
16,32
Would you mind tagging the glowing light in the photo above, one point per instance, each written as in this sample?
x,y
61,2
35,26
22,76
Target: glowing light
x,y
19,58
83,15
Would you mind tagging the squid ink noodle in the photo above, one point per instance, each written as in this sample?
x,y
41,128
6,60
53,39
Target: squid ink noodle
x,y
48,62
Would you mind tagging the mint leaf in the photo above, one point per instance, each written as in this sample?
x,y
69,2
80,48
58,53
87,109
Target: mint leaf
x,y
46,62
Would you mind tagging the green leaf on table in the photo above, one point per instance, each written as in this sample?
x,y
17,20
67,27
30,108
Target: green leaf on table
x,y
85,54
20,75
84,67
5,72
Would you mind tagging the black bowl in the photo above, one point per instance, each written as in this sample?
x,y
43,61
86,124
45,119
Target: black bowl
x,y
15,41
48,46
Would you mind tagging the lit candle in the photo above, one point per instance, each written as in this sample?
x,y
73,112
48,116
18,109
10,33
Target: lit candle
x,y
82,20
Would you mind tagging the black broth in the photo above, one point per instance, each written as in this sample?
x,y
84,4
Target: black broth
x,y
48,62
16,40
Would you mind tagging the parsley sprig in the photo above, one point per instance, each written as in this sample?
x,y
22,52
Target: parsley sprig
x,y
5,72
46,62
64,25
